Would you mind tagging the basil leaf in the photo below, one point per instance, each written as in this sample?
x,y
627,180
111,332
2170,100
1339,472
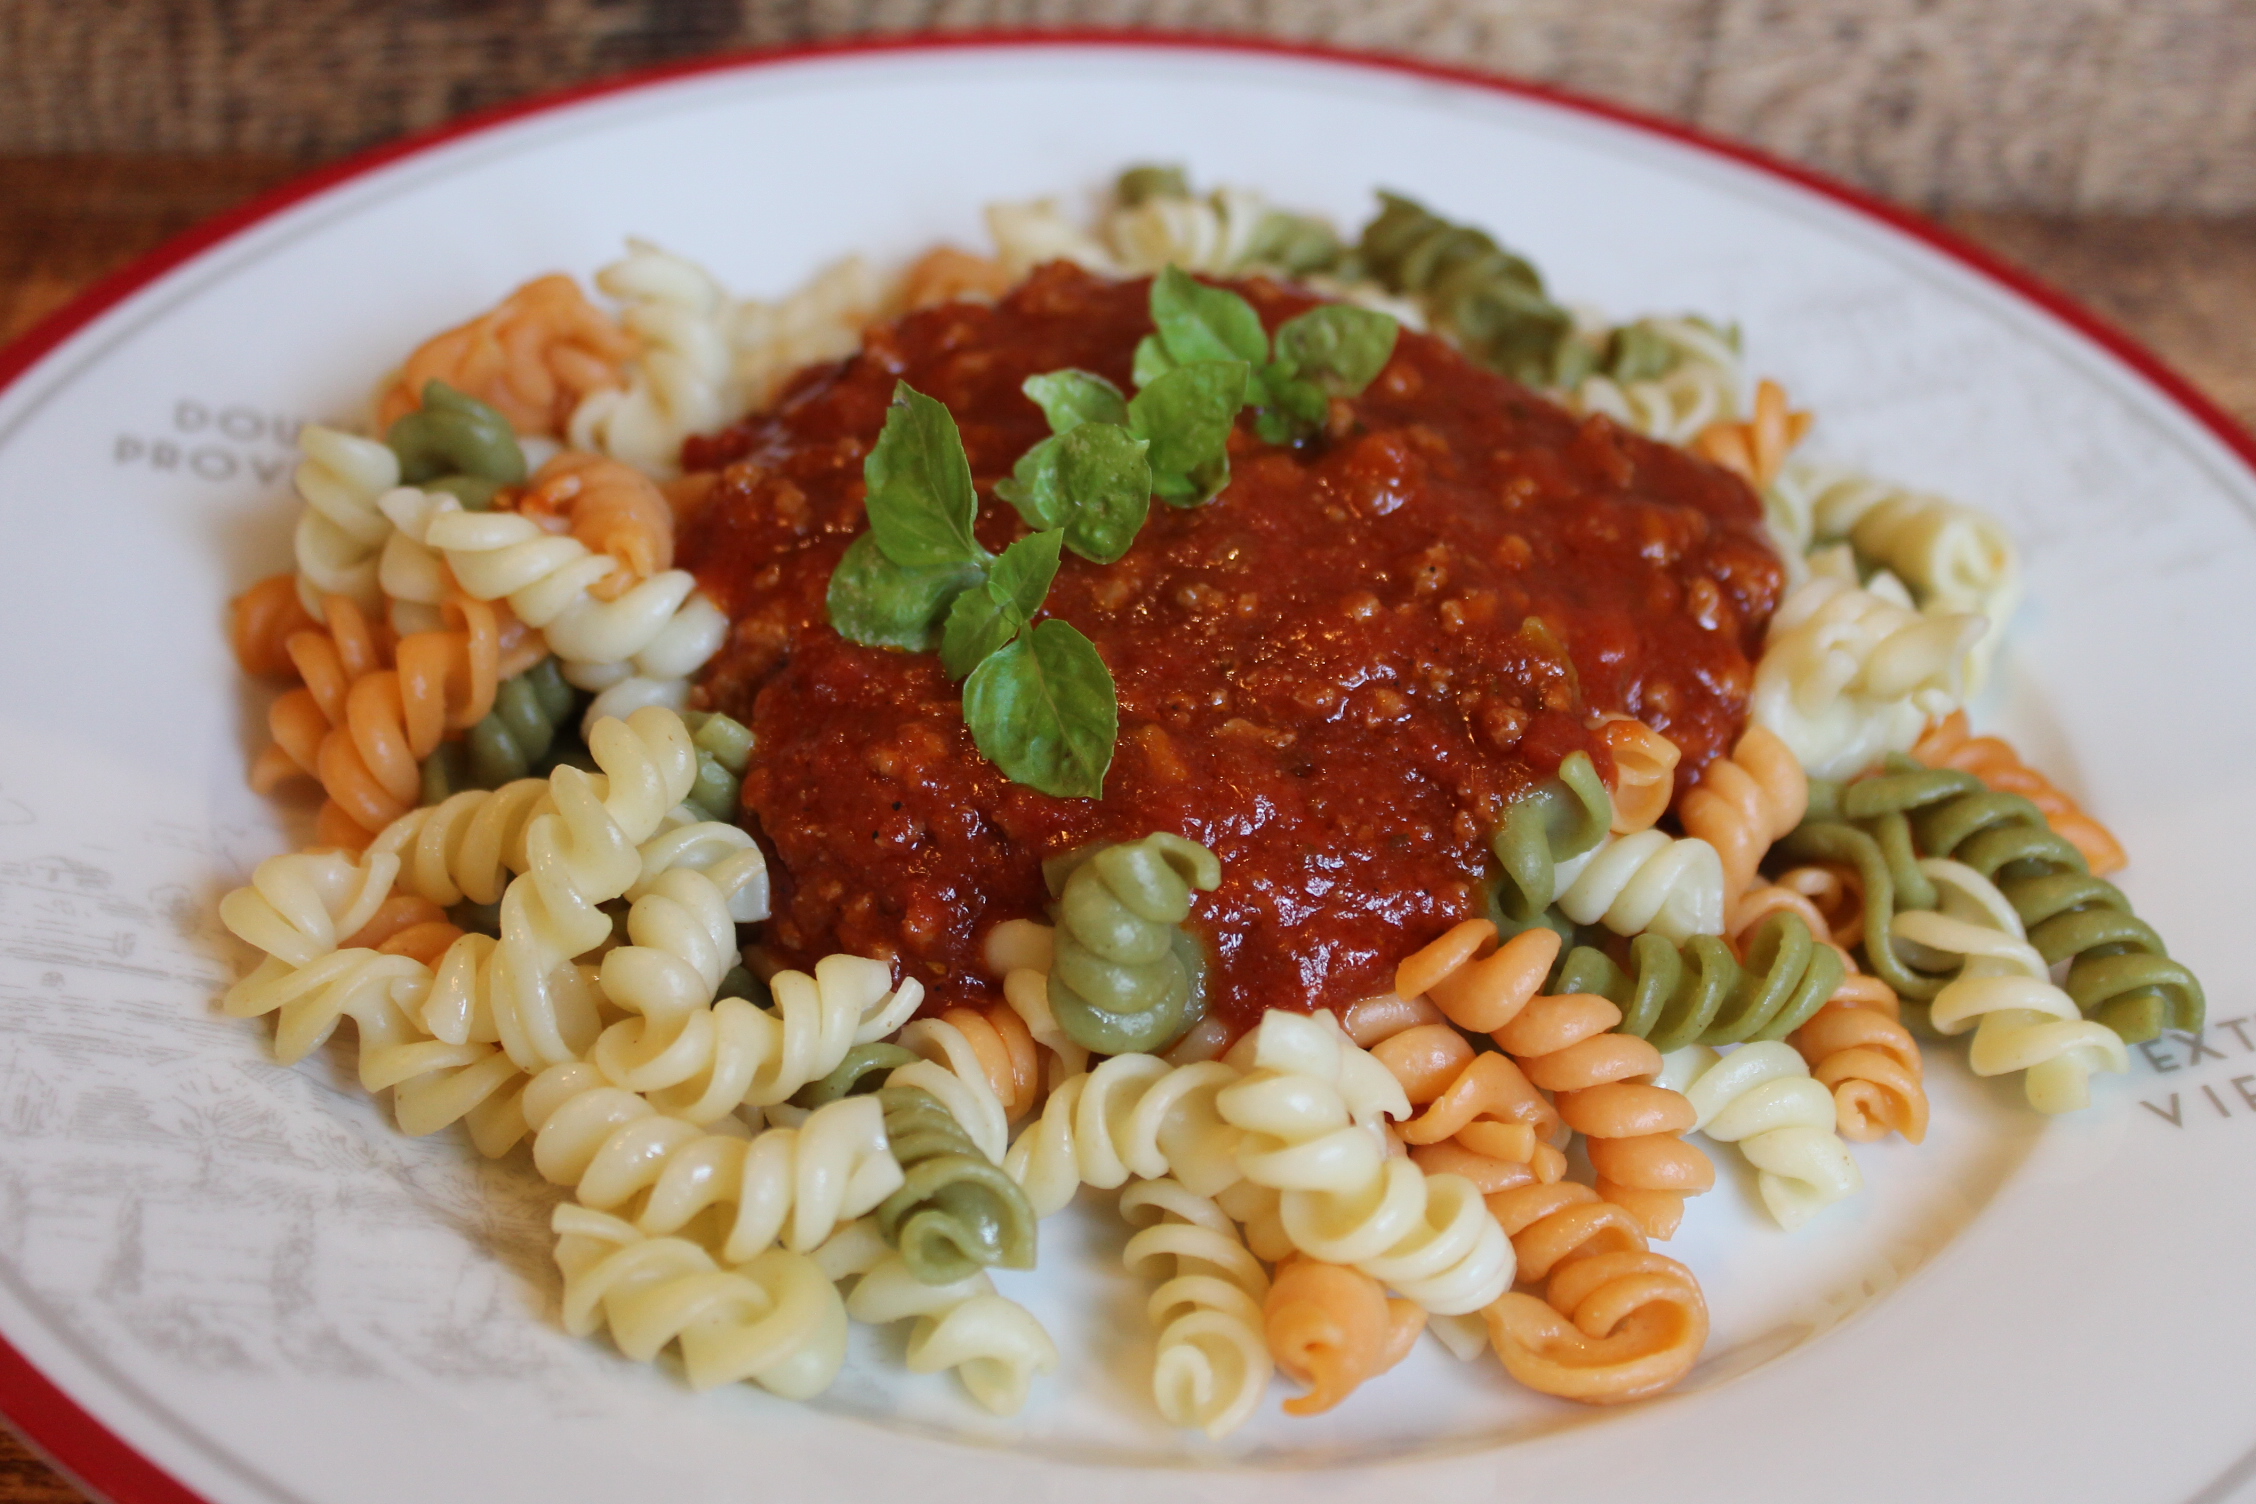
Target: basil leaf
x,y
1339,347
1021,577
1044,711
1069,398
1033,486
921,503
881,604
977,626
1152,361
983,619
1187,415
1198,322
1093,480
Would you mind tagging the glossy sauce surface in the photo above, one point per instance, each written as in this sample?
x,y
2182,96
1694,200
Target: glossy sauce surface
x,y
1336,674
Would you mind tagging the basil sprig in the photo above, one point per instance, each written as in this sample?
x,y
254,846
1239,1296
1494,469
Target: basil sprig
x,y
1038,698
1332,351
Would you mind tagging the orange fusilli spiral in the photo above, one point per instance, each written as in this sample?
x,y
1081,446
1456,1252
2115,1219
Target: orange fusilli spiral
x,y
262,620
532,358
1611,1327
610,507
1857,1049
1744,802
1007,1054
1331,1328
1992,759
945,274
370,712
1599,1080
1483,1118
1755,450
1633,1321
1644,772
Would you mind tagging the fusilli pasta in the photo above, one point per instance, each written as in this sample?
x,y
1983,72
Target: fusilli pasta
x,y
1333,1328
1125,975
1213,1362
1762,1097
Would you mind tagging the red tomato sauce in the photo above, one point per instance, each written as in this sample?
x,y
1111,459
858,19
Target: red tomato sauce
x,y
1336,674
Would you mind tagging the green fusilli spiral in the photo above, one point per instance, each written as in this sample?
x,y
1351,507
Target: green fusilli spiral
x,y
957,1212
724,750
457,444
1560,818
526,735
2120,974
1489,301
1701,994
1127,977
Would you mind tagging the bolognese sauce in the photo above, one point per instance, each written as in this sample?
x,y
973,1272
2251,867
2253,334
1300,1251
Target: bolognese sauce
x,y
1335,674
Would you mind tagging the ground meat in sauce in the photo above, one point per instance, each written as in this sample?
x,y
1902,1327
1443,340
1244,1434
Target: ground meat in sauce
x,y
1335,675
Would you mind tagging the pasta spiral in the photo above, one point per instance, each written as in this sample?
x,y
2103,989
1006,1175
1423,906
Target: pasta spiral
x,y
1633,1130
1611,1327
2025,1023
1562,818
1756,449
660,629
1332,1328
679,380
2120,973
1949,744
579,855
702,1063
1857,1047
1847,676
1134,1115
1213,1361
776,1320
739,1196
1645,882
1125,976
464,848
1700,993
533,357
1488,301
1744,802
1762,1098
519,737
1954,557
1341,1200
957,1211
994,1344
341,534
1697,384
1644,772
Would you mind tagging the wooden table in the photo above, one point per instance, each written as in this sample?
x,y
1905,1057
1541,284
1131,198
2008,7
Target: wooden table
x,y
2187,287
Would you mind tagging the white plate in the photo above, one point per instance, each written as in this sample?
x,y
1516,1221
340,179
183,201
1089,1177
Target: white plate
x,y
264,1294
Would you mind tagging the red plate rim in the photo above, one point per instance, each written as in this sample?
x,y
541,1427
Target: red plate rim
x,y
96,1456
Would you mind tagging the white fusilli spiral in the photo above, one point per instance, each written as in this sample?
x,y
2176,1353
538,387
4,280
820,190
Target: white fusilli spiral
x,y
995,1345
2004,992
776,1320
1028,234
1216,234
662,629
703,1062
1703,387
1133,1116
1847,676
680,381
1646,881
1762,1098
341,532
793,1186
1340,1198
581,854
467,846
1213,1361
821,320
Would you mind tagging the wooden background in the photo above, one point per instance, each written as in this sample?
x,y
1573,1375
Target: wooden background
x,y
2107,145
